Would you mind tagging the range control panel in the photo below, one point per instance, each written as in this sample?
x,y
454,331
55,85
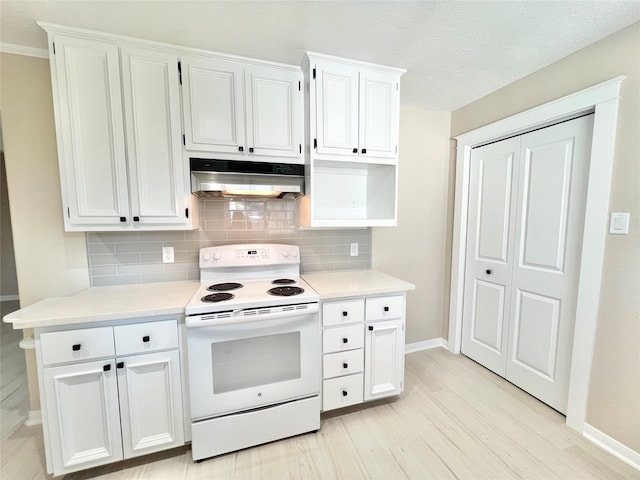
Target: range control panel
x,y
248,255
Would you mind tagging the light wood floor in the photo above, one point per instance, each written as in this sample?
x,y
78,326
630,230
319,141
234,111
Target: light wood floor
x,y
455,419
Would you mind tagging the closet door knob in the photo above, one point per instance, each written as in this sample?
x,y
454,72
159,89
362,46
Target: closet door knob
x,y
355,150
106,367
123,219
120,365
75,347
145,339
386,309
345,365
488,271
344,393
241,149
345,340
364,150
345,313
250,149
136,219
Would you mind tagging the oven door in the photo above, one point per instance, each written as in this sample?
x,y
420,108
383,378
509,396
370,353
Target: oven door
x,y
252,359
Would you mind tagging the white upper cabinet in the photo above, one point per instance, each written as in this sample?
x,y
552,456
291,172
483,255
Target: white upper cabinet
x,y
353,120
213,104
242,111
117,110
152,117
356,109
90,132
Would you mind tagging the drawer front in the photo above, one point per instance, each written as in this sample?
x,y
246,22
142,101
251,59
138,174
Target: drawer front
x,y
76,345
342,391
146,337
382,308
342,363
338,313
343,338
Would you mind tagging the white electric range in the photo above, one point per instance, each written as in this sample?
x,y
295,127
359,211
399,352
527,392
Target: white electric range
x,y
253,341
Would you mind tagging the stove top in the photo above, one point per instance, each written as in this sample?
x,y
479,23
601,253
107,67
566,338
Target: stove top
x,y
245,276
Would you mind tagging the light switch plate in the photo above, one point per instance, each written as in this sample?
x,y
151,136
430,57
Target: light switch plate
x,y
619,224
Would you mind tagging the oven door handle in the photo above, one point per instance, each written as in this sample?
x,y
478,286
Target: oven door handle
x,y
241,316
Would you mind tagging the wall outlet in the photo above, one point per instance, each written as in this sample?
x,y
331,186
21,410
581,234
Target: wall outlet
x,y
354,249
167,254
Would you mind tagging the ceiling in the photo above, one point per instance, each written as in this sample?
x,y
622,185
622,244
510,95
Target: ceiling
x,y
454,51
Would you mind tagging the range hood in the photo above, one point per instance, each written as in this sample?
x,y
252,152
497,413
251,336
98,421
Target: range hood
x,y
239,178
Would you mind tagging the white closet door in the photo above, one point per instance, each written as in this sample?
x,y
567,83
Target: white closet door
x,y
550,220
526,217
492,193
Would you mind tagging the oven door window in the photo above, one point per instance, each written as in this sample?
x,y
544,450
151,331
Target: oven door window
x,y
256,361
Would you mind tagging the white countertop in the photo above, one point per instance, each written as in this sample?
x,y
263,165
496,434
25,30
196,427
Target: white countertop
x,y
106,303
350,283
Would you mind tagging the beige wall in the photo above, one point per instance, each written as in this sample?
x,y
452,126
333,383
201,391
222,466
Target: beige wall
x,y
8,279
49,262
415,249
614,397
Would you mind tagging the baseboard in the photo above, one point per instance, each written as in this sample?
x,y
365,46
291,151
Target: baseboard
x,y
612,446
34,418
7,298
425,345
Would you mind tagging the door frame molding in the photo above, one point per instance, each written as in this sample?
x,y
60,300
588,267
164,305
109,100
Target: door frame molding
x,y
603,100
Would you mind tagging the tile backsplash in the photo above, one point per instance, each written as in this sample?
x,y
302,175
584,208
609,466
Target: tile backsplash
x,y
117,258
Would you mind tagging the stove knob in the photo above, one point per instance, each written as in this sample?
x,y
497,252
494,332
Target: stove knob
x,y
206,257
216,255
285,252
294,252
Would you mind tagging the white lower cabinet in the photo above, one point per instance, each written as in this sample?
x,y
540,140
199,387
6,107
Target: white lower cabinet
x,y
363,349
102,410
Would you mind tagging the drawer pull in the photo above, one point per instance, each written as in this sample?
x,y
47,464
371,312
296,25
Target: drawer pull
x,y
345,313
120,365
345,365
386,309
106,367
344,393
345,340
371,327
145,339
75,347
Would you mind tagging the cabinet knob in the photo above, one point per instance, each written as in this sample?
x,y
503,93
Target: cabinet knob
x,y
355,150
106,367
75,347
120,365
344,393
386,309
250,149
488,271
370,327
364,150
123,219
136,219
345,365
345,313
345,340
241,149
145,339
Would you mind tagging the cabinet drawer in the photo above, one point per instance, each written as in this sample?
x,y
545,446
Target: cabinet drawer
x,y
381,308
342,391
76,345
342,363
348,311
146,337
343,338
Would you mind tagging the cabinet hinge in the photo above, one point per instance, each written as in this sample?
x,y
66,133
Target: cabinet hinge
x,y
396,149
397,86
184,139
314,73
180,72
299,86
300,145
54,48
68,212
186,212
315,143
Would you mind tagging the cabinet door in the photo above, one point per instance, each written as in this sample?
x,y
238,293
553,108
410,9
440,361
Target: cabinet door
x,y
337,109
274,117
150,402
90,132
82,411
157,170
383,359
213,105
379,105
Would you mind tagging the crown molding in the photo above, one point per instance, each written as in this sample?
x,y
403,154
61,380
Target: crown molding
x,y
23,50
